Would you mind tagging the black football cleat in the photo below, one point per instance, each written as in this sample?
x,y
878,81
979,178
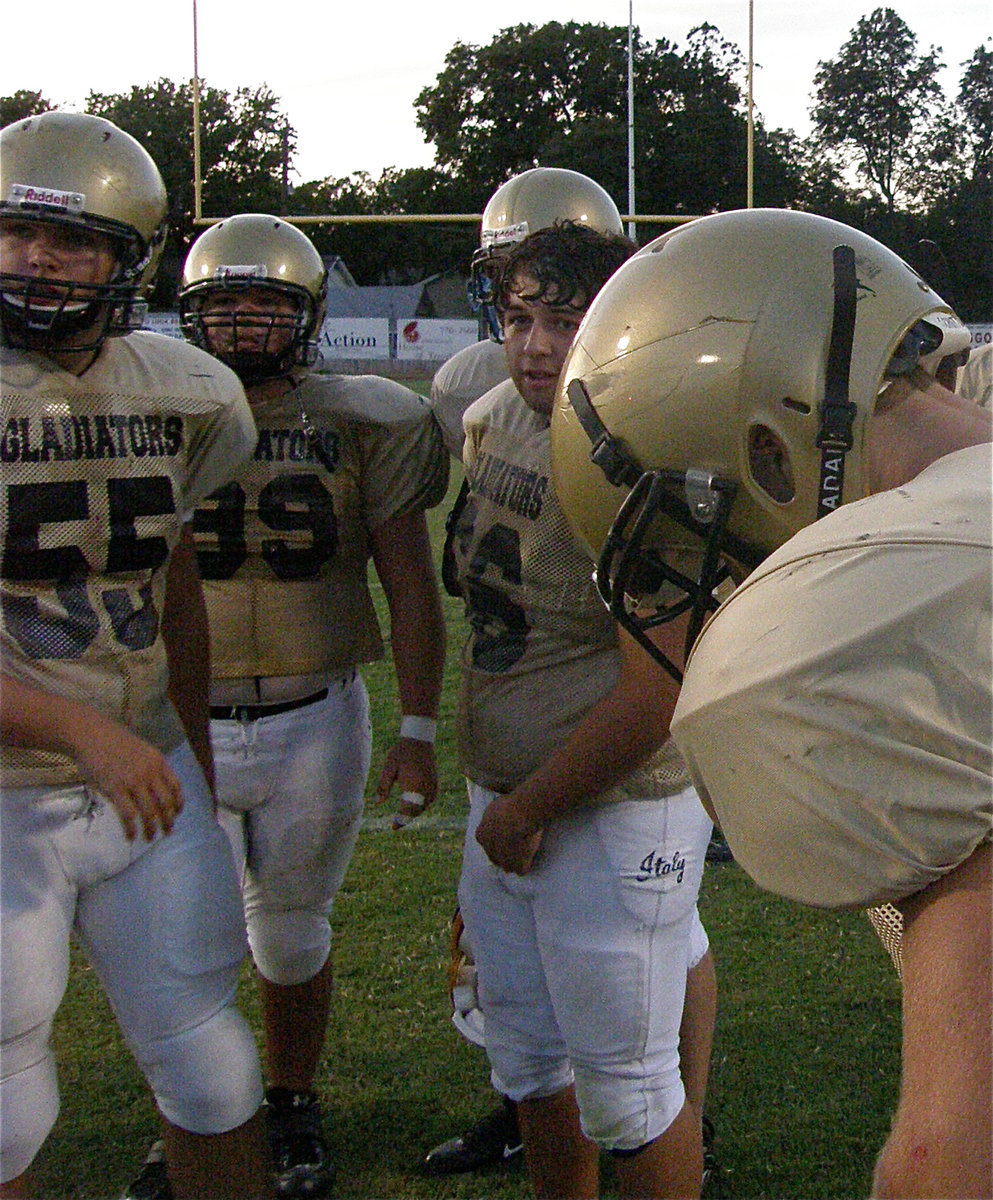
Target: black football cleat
x,y
494,1140
301,1163
151,1182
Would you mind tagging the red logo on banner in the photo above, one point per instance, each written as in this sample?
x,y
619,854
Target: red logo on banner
x,y
411,333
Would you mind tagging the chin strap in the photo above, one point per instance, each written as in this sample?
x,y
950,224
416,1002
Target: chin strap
x,y
608,453
837,412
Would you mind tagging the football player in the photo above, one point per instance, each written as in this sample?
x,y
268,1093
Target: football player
x,y
343,472
585,845
975,379
527,202
761,389
111,438
534,200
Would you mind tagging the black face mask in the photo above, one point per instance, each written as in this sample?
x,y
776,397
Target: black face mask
x,y
252,358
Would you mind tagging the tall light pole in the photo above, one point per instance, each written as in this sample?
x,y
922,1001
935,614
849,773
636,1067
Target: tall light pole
x,y
197,181
631,117
750,186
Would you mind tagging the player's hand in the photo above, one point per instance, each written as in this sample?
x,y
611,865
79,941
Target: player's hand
x,y
134,776
508,835
411,763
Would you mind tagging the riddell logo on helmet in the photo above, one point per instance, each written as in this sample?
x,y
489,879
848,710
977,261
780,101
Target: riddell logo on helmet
x,y
505,236
25,194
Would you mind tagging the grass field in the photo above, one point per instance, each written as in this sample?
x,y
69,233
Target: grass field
x,y
804,1073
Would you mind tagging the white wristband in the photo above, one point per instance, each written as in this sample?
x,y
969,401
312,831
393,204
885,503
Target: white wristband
x,y
421,729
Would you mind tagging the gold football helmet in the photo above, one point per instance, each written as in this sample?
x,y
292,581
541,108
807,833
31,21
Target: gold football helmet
x,y
736,341
80,170
527,202
258,251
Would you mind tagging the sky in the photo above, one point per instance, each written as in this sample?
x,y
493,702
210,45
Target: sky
x,y
347,76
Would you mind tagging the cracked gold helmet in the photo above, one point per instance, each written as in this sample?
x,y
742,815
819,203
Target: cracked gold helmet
x,y
264,253
81,171
731,337
527,202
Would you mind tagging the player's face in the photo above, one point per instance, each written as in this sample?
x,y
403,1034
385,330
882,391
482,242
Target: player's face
x,y
260,320
537,336
57,251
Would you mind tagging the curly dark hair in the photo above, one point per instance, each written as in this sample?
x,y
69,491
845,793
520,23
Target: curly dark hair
x,y
569,262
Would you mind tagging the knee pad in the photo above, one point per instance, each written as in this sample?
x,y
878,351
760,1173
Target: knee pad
x,y
289,946
625,1114
29,1104
208,1079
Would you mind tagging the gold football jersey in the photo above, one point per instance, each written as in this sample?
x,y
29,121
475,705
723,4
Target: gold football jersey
x,y
542,648
284,549
99,474
975,379
837,708
466,376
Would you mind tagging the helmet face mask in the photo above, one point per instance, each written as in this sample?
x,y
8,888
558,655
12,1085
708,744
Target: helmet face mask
x,y
638,583
78,172
230,271
527,202
726,376
265,339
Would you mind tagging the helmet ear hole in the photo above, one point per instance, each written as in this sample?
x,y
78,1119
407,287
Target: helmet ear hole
x,y
769,464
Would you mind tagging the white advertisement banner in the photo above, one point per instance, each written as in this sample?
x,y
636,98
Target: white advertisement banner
x,y
355,337
417,340
433,340
166,323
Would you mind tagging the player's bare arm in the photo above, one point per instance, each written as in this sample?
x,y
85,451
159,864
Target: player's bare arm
x,y
614,738
187,642
130,772
401,551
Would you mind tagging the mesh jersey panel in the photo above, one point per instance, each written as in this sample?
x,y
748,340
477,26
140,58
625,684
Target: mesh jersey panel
x,y
100,472
284,549
542,648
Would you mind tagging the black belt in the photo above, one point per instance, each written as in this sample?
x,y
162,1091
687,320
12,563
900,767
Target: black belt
x,y
252,712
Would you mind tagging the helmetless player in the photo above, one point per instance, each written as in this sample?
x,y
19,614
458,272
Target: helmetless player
x,y
343,471
763,380
110,439
585,844
527,202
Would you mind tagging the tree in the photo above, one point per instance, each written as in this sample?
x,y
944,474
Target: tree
x,y
391,253
246,146
20,105
495,110
961,216
975,99
556,95
880,108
